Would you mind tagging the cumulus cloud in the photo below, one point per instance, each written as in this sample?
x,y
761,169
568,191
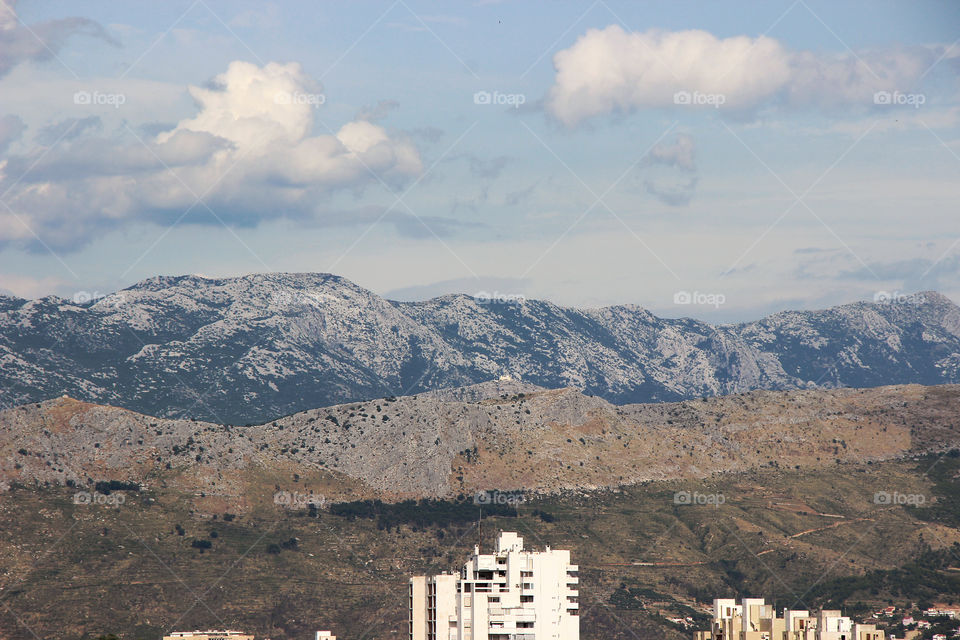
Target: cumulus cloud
x,y
249,152
41,41
614,71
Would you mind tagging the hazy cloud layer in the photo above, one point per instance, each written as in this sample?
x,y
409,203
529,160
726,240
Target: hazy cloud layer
x,y
677,187
67,130
40,41
11,128
611,70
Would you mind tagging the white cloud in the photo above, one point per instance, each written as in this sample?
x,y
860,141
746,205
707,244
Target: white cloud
x,y
252,107
610,70
248,150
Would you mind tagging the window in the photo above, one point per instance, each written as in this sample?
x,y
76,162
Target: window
x,y
526,574
526,598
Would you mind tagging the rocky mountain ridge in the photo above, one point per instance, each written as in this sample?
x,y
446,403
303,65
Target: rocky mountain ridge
x,y
242,350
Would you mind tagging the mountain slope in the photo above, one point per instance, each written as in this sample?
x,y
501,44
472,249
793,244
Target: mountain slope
x,y
240,350
545,441
208,525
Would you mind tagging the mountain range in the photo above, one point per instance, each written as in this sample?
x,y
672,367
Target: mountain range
x,y
248,349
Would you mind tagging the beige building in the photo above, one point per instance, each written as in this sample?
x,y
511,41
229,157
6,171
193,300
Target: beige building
x,y
510,594
753,619
208,635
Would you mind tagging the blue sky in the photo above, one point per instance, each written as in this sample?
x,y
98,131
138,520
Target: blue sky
x,y
763,156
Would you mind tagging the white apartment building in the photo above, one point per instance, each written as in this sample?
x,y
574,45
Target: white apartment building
x,y
753,619
510,594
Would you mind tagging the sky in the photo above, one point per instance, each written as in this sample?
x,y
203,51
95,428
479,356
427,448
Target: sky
x,y
721,161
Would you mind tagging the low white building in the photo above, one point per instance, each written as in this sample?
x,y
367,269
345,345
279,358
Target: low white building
x,y
511,594
754,619
208,635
